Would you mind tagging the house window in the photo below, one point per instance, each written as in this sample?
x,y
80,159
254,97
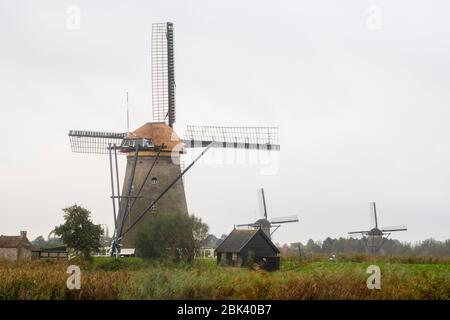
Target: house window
x,y
234,257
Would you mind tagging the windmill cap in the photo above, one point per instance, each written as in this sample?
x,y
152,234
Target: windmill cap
x,y
160,133
375,232
264,223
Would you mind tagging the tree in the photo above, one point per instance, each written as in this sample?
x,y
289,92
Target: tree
x,y
428,247
327,245
171,236
297,248
78,231
312,247
199,231
39,241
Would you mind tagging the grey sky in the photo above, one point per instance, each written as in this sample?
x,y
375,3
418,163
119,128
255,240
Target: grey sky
x,y
363,112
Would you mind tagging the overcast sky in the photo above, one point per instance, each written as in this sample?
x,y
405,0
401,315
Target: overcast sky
x,y
359,90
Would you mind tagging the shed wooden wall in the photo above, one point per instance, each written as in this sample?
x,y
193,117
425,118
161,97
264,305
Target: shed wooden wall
x,y
259,246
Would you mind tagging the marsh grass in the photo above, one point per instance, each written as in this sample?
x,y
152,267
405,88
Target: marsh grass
x,y
107,278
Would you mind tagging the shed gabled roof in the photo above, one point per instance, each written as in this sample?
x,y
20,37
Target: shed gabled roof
x,y
238,238
13,241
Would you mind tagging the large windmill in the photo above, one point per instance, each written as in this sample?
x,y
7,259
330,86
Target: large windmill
x,y
264,223
152,183
375,237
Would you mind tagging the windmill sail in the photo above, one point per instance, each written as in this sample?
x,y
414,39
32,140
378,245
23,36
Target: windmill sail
x,y
163,73
394,228
286,219
262,203
260,138
93,141
247,225
373,214
359,232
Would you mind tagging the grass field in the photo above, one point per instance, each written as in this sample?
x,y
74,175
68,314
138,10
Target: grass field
x,y
316,278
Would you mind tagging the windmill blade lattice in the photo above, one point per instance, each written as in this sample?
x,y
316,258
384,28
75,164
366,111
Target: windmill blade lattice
x,y
260,138
163,73
96,142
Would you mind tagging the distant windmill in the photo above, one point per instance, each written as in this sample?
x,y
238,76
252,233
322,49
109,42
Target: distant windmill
x,y
152,184
264,223
375,236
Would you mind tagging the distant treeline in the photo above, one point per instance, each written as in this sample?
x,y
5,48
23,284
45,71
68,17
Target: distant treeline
x,y
429,247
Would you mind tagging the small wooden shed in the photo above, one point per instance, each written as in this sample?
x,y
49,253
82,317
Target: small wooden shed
x,y
243,247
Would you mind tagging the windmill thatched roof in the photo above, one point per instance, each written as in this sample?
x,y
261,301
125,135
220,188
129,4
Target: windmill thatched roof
x,y
160,133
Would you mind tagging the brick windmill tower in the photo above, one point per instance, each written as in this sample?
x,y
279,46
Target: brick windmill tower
x,y
152,183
